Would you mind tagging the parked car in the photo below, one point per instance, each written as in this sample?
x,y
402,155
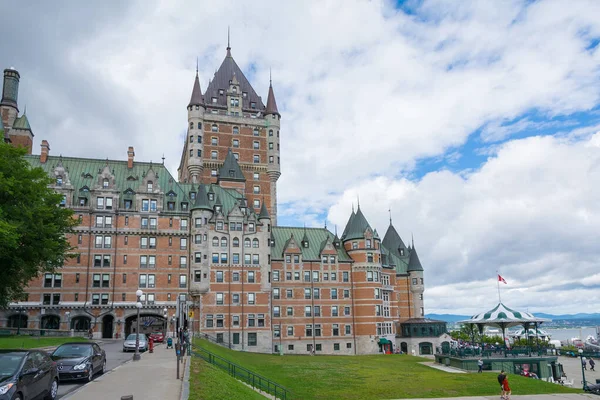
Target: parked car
x,y
129,344
27,375
158,337
79,360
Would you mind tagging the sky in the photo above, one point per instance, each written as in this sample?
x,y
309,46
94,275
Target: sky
x,y
477,123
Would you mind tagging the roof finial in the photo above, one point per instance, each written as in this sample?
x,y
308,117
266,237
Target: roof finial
x,y
358,200
336,230
412,240
196,66
270,78
228,45
325,223
390,211
163,158
352,207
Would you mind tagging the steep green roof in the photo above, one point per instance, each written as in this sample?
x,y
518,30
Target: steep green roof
x,y
392,241
263,211
230,170
22,123
202,200
357,225
349,222
413,262
83,173
315,237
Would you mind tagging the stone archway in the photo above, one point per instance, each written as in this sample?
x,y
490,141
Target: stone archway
x,y
17,320
425,348
81,323
404,347
107,326
50,322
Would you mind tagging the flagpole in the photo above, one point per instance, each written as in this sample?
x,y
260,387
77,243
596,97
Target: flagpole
x,y
498,282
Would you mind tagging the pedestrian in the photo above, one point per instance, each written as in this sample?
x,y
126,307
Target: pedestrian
x,y
584,363
592,364
506,388
480,365
501,378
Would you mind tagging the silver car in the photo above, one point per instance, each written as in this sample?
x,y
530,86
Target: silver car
x,y
129,344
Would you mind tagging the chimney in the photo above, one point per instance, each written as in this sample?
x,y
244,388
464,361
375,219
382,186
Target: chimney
x,y
130,155
45,151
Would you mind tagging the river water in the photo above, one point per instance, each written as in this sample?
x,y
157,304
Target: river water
x,y
568,333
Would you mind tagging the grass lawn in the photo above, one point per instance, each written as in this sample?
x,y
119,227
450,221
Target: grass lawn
x,y
29,342
208,382
374,377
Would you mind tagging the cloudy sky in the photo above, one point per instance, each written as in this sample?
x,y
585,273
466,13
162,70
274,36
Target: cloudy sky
x,y
475,122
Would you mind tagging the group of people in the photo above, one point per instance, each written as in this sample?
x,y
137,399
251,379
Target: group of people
x,y
584,363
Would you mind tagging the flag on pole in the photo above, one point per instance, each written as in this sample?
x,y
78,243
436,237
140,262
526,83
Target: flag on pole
x,y
501,279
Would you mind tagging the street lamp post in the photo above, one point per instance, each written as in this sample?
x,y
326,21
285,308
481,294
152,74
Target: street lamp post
x,y
68,315
136,355
166,321
582,369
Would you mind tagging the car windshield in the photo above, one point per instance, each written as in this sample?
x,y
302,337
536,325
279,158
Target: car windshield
x,y
9,363
157,333
73,351
132,336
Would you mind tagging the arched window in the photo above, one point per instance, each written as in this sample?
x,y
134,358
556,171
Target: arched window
x,y
105,183
215,242
59,180
199,125
255,243
215,128
191,125
270,132
236,130
236,242
150,186
247,242
223,242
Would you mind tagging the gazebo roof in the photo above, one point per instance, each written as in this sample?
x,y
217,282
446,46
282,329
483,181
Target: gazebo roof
x,y
530,332
503,316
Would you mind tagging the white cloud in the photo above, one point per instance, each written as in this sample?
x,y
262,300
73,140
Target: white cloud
x,y
530,212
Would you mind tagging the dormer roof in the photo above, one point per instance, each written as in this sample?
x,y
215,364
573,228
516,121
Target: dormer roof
x,y
230,170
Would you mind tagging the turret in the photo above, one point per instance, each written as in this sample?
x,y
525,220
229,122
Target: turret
x,y
9,109
21,134
417,287
195,141
273,124
202,212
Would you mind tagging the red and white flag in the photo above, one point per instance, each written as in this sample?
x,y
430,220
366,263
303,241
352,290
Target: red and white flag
x,y
501,279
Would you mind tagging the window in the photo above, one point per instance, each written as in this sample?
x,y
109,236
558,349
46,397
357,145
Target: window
x,y
251,339
290,311
143,281
251,298
236,277
251,227
346,293
289,293
325,276
270,145
276,312
214,127
236,320
256,159
256,203
334,311
332,259
316,293
197,257
197,276
307,311
369,276
354,245
106,280
276,293
369,257
236,298
307,293
345,276
236,143
182,262
209,321
95,299
271,159
315,276
317,311
213,172
219,298
250,276
213,155
348,330
198,239
255,243
334,294
308,330
346,310
256,145
335,330
377,293
182,281
255,259
219,276
223,258
256,176
414,281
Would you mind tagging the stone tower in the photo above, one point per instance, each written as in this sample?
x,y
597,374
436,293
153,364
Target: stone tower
x,y
230,117
16,129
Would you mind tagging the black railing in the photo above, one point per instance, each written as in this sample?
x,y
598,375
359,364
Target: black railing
x,y
213,339
238,372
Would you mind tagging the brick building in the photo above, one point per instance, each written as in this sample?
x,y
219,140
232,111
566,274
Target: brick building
x,y
209,242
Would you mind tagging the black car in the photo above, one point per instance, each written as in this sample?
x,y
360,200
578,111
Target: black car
x,y
27,375
79,360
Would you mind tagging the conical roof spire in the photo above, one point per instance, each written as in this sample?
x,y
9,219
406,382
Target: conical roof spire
x,y
202,199
264,213
22,123
392,241
271,103
414,264
196,99
231,171
357,225
228,45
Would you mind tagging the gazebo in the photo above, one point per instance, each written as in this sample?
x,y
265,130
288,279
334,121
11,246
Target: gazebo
x,y
521,333
504,317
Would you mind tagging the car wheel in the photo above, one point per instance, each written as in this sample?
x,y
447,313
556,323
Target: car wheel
x,y
53,390
17,396
103,369
90,376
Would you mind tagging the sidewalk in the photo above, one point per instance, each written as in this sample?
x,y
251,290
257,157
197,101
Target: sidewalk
x,y
557,396
151,378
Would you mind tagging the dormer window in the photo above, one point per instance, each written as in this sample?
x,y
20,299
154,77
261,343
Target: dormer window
x,y
193,195
221,92
217,208
234,89
244,94
211,196
252,105
214,100
236,156
401,252
105,183
305,244
59,180
231,173
150,186
184,206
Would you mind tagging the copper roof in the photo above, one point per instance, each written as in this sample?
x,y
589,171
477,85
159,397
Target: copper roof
x,y
196,99
271,103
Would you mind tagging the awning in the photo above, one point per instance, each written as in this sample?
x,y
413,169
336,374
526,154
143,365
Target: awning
x,y
384,341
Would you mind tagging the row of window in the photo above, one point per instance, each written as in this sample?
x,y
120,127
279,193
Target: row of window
x,y
315,293
311,331
253,259
149,281
146,261
99,298
218,320
316,276
310,311
235,129
318,347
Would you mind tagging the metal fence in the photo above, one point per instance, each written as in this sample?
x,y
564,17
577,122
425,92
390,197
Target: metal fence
x,y
238,372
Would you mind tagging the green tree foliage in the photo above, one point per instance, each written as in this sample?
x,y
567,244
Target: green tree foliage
x,y
33,227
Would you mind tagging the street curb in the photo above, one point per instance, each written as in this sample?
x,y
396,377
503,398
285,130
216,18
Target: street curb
x,y
185,385
65,397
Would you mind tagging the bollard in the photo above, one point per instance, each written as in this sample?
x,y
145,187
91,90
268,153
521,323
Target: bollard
x,y
128,397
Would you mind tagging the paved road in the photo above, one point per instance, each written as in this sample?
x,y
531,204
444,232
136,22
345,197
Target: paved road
x,y
114,358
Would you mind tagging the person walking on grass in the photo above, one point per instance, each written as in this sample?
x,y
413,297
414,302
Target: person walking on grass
x,y
506,388
501,378
480,365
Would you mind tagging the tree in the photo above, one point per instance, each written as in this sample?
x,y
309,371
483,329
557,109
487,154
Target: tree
x,y
33,227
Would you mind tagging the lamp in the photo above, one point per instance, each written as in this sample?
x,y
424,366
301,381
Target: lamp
x,y
136,355
166,321
582,369
68,315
